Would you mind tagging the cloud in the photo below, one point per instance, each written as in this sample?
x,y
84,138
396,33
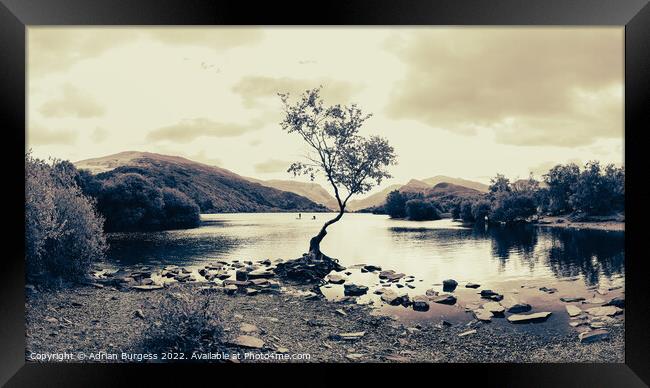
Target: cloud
x,y
99,135
187,130
272,165
43,136
539,170
529,86
254,89
72,103
218,38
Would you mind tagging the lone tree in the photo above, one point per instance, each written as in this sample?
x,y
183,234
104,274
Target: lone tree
x,y
351,163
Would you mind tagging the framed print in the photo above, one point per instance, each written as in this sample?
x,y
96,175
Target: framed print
x,y
388,189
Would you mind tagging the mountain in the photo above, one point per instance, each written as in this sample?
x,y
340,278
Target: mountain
x,y
313,191
456,181
440,186
214,189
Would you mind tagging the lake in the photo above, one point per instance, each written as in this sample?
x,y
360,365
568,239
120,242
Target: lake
x,y
516,260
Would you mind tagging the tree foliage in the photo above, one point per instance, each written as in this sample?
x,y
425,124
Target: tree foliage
x,y
420,210
395,204
63,231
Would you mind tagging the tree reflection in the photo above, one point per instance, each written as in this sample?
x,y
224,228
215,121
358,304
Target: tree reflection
x,y
590,253
520,239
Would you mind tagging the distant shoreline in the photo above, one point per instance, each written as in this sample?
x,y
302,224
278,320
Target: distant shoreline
x,y
561,222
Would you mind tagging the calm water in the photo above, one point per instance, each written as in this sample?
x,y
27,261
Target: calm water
x,y
515,260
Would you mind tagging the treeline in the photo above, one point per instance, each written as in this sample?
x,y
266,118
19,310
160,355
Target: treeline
x,y
67,212
580,193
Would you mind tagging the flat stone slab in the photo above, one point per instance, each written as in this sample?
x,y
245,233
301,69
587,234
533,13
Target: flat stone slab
x,y
248,328
483,315
593,336
469,332
335,279
494,307
526,318
148,287
605,310
593,301
247,341
348,336
573,311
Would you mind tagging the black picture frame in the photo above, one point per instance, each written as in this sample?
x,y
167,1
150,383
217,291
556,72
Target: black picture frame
x,y
16,15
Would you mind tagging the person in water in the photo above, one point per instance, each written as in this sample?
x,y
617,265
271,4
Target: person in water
x,y
313,217
299,215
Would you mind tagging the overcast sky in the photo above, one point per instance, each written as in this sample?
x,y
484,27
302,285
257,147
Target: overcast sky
x,y
463,102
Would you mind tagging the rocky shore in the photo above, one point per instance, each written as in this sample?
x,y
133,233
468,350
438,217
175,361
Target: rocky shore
x,y
263,313
610,224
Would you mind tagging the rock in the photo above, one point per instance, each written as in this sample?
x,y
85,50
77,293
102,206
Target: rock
x,y
483,315
354,356
602,291
469,332
516,307
335,279
260,274
399,285
347,336
223,276
487,293
449,285
230,289
604,311
570,299
573,311
148,287
431,293
379,291
248,328
445,299
241,275
371,268
281,349
247,341
548,290
472,285
619,302
396,358
391,275
139,314
593,336
527,318
260,282
394,299
52,320
354,290
420,303
251,291
593,301
409,285
494,307
237,283
306,269
341,312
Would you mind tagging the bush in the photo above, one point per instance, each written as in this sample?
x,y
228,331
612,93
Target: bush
x,y
512,207
598,192
63,231
466,211
184,323
561,181
395,205
180,211
480,210
419,210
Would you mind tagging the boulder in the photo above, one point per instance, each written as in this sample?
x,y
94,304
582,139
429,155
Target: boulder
x,y
489,294
449,285
391,275
593,336
230,289
619,302
354,290
445,299
573,311
527,318
604,311
420,303
241,275
516,307
306,269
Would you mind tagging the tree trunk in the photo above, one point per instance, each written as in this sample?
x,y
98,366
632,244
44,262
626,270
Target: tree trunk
x,y
314,244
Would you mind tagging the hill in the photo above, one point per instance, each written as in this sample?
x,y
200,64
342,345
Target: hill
x,y
213,189
456,181
311,190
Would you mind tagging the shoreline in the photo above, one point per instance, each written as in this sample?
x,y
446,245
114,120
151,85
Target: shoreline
x,y
91,319
563,222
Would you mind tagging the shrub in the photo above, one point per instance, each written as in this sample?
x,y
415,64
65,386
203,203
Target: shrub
x,y
480,210
184,323
419,210
598,192
63,231
511,207
466,211
561,181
